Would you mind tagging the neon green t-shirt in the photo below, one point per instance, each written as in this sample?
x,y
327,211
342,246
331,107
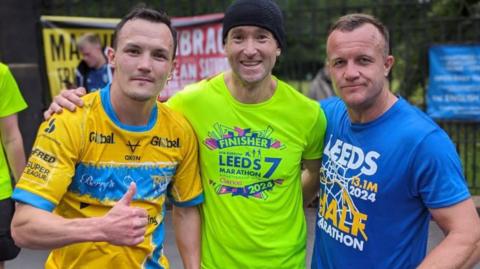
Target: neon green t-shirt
x,y
250,159
11,102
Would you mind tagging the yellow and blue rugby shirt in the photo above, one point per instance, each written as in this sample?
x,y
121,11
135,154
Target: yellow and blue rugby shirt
x,y
82,163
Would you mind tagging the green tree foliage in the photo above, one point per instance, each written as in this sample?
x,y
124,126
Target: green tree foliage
x,y
118,8
414,26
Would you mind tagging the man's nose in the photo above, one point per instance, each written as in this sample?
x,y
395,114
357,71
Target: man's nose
x,y
250,47
145,63
351,71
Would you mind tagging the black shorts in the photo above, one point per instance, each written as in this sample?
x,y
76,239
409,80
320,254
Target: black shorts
x,y
8,249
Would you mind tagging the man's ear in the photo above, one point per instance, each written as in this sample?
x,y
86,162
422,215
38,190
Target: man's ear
x,y
111,56
389,61
224,47
172,70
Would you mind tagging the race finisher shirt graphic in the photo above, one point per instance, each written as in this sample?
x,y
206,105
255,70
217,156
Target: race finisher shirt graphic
x,y
242,158
82,163
250,156
377,182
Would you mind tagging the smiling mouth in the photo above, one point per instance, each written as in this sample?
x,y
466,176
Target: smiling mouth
x,y
142,79
250,63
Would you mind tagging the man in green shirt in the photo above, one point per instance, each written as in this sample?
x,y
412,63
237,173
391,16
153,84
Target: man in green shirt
x,y
11,102
254,133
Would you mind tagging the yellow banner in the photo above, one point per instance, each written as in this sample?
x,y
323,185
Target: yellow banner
x,y
199,53
60,35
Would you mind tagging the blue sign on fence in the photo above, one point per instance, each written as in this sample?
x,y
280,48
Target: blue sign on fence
x,y
454,82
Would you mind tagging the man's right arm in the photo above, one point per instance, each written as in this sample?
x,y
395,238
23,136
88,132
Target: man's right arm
x,y
39,229
69,99
123,225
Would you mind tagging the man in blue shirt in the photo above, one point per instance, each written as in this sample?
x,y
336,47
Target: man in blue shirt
x,y
386,167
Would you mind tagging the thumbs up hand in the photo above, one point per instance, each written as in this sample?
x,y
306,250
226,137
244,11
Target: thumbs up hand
x,y
128,196
125,225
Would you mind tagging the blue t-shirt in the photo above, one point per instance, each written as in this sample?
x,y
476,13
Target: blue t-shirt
x,y
378,181
98,78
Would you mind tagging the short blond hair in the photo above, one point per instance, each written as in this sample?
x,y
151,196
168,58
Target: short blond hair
x,y
89,38
353,21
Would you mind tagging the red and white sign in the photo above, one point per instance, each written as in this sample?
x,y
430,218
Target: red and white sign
x,y
199,51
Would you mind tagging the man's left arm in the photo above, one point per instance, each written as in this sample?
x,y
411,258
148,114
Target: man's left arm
x,y
187,223
474,258
13,144
310,180
461,225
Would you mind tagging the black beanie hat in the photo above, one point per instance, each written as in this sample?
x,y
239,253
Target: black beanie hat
x,y
262,13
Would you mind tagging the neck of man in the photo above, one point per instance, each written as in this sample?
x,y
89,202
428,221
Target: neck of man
x,y
100,63
129,111
369,112
250,93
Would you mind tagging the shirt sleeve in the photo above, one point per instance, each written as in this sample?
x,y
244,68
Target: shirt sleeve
x,y
175,102
51,165
186,187
315,137
12,100
437,172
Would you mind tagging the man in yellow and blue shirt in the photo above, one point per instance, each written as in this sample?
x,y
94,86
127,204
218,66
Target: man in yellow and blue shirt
x,y
106,170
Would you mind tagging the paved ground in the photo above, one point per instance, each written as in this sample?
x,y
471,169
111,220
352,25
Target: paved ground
x,y
31,259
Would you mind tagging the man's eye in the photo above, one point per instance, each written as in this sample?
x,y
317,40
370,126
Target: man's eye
x,y
160,56
338,63
133,51
365,60
262,37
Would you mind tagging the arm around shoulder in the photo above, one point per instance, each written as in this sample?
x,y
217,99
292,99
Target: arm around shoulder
x,y
69,99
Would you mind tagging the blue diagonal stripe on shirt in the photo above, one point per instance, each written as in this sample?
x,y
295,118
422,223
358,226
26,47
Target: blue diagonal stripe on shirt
x,y
110,182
